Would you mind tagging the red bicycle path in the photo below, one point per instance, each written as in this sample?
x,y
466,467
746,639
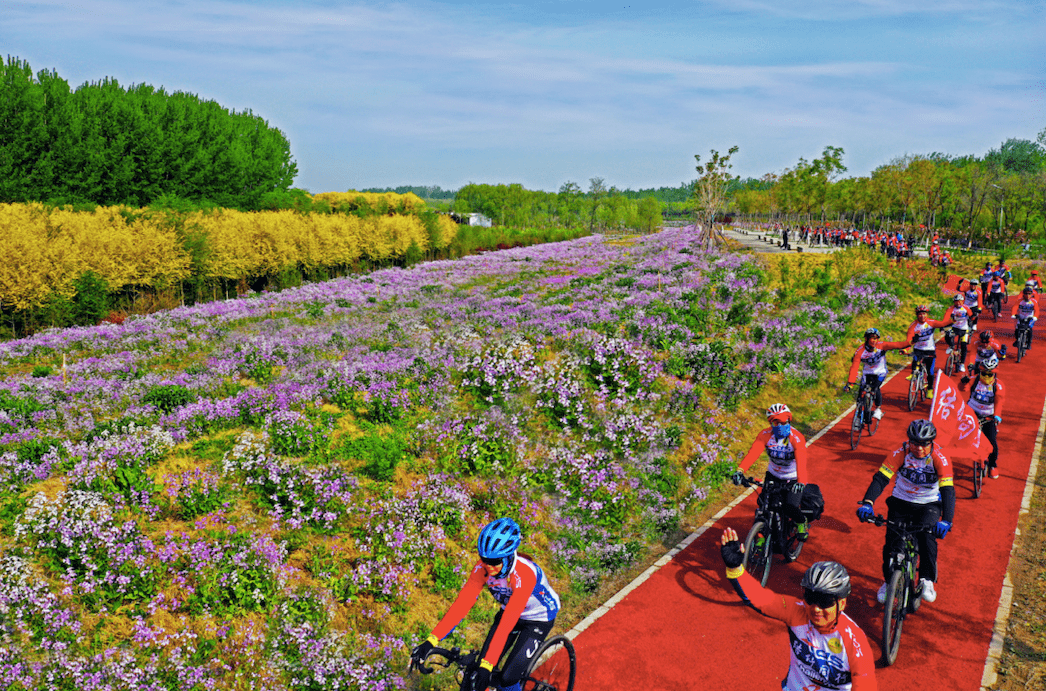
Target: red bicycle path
x,y
685,628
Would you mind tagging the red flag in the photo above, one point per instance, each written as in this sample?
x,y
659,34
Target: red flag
x,y
958,430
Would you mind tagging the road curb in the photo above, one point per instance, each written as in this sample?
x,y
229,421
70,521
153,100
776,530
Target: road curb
x,y
1002,614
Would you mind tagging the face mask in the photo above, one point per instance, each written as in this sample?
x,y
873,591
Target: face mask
x,y
782,431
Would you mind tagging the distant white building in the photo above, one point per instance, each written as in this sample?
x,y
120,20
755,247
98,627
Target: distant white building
x,y
472,220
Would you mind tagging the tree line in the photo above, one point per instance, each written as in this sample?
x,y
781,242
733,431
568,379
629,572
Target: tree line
x,y
103,144
998,198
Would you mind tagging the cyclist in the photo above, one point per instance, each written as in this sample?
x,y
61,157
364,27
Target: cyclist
x,y
996,291
958,336
987,346
1034,280
1002,270
985,279
872,355
786,472
1026,311
973,301
829,650
920,337
923,495
528,607
986,397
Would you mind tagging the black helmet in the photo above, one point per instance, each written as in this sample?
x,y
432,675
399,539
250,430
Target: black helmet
x,y
986,335
921,432
828,577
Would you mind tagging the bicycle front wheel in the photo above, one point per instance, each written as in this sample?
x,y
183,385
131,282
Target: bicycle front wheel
x,y
759,552
978,479
915,385
553,667
893,617
857,424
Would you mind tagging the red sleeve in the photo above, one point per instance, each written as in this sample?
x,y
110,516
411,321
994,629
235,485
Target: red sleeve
x,y
1000,396
463,603
768,602
945,477
911,332
523,580
942,323
799,442
1016,306
859,654
893,345
758,446
854,366
1036,312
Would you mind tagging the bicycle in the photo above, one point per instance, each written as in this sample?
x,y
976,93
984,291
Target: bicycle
x,y
772,533
864,415
980,468
954,359
917,385
1022,334
552,667
903,591
996,306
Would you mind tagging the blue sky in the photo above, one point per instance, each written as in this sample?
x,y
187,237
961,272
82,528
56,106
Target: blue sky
x,y
541,93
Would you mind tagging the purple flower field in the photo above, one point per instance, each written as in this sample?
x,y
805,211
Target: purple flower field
x,y
253,493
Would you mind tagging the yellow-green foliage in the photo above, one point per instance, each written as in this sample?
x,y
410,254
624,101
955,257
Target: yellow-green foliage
x,y
380,203
45,250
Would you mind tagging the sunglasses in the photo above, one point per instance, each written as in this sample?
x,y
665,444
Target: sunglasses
x,y
821,600
490,562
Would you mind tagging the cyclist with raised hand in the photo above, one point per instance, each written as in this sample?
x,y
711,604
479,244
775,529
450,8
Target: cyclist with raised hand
x,y
920,337
924,495
958,336
529,607
786,472
828,649
987,346
1026,311
871,358
986,399
972,299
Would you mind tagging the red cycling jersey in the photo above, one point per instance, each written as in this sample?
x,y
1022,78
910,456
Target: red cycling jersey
x,y
787,456
840,660
873,359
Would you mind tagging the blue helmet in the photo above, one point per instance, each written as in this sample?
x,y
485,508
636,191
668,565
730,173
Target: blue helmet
x,y
499,539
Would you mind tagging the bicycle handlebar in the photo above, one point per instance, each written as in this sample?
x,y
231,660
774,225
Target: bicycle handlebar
x,y
879,520
450,657
749,481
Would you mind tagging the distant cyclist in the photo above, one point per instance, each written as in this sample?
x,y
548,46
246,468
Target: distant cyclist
x,y
996,291
1026,311
972,299
923,495
871,359
986,398
987,346
528,607
828,649
958,336
985,279
920,337
786,472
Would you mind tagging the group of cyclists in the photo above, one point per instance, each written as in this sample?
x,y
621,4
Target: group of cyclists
x,y
828,649
923,492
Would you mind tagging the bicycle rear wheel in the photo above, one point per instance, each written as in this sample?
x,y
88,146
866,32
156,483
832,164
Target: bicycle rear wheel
x,y
759,553
873,422
893,617
978,479
553,667
792,544
995,310
1020,345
